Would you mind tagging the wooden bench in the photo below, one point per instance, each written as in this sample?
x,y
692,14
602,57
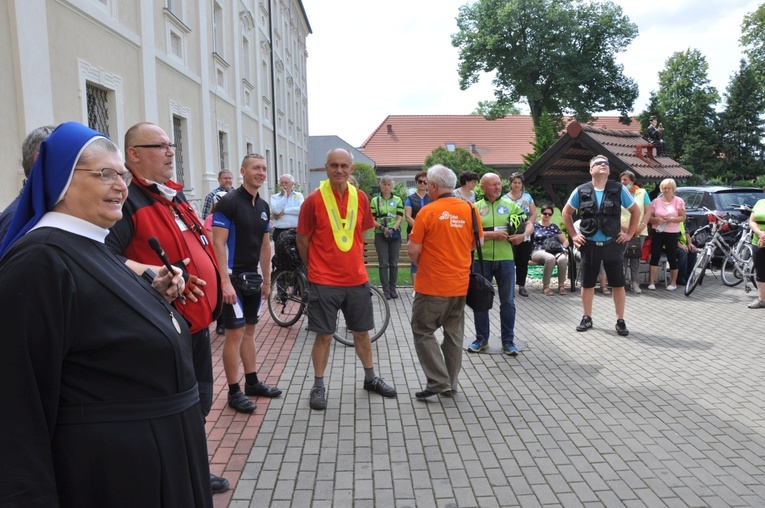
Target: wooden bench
x,y
370,255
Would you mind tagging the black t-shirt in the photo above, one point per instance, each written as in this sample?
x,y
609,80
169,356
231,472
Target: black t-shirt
x,y
247,223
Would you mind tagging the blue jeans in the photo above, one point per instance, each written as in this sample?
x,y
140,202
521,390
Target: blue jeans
x,y
504,273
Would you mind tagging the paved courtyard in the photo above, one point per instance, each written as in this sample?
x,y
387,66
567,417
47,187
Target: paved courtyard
x,y
672,415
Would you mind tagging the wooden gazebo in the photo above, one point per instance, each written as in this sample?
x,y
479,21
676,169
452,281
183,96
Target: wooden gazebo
x,y
566,163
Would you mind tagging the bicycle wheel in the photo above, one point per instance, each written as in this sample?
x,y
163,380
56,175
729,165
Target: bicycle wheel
x,y
288,297
381,311
697,275
730,271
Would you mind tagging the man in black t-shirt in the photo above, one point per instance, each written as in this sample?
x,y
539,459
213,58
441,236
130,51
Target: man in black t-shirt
x,y
240,239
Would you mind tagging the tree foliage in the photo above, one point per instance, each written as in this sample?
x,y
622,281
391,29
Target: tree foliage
x,y
491,110
685,103
365,176
546,136
556,55
459,160
741,127
753,41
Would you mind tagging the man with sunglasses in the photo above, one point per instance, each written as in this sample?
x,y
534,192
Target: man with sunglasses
x,y
601,239
156,207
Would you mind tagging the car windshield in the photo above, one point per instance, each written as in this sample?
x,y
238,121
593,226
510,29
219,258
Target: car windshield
x,y
733,200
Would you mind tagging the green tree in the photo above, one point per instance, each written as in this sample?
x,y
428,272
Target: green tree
x,y
491,110
685,102
459,160
365,176
556,55
546,136
741,127
753,41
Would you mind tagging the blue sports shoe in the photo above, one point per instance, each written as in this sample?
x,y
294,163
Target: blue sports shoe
x,y
479,345
510,349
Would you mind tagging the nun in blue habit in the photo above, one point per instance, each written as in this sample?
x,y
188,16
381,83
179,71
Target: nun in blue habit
x,y
99,398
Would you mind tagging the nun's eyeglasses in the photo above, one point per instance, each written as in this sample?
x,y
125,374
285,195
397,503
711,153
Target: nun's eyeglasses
x,y
109,175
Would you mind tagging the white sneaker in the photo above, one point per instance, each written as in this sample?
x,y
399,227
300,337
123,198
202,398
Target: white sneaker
x,y
636,288
671,288
651,287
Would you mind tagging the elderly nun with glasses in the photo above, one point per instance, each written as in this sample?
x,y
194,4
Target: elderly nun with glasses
x,y
102,401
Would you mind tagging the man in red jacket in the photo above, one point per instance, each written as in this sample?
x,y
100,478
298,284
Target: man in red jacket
x,y
156,207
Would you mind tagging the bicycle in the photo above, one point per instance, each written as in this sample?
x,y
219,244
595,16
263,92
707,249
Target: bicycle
x,y
719,231
288,302
738,264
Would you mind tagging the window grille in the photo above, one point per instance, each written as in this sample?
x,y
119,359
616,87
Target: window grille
x,y
180,170
98,108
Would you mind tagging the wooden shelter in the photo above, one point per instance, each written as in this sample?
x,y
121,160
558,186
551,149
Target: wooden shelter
x,y
566,163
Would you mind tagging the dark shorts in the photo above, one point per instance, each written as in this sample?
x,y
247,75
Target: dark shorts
x,y
248,307
325,301
612,256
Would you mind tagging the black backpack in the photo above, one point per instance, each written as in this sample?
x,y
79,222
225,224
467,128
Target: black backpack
x,y
286,255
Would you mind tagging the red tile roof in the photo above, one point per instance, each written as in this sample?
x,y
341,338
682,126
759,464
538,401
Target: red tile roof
x,y
406,140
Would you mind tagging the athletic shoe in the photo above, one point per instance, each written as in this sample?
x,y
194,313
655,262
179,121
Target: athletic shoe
x,y
671,288
393,293
509,349
218,484
424,394
757,304
652,287
261,389
478,345
318,398
386,294
636,288
379,386
241,403
621,327
585,324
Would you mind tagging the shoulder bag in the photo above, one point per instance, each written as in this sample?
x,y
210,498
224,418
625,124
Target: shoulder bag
x,y
633,250
480,295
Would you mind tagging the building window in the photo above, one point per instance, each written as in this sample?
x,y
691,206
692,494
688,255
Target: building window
x,y
220,78
98,108
222,150
180,142
176,45
218,29
101,99
250,149
246,59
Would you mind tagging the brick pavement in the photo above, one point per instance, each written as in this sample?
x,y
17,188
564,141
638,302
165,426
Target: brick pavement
x,y
670,416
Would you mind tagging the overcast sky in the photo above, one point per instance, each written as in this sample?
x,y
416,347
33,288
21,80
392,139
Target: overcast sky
x,y
368,59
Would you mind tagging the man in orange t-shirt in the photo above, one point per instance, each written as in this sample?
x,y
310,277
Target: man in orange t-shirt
x,y
330,239
441,244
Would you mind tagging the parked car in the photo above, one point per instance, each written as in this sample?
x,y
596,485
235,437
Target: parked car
x,y
723,200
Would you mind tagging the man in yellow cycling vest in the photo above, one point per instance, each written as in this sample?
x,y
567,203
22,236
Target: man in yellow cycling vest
x,y
330,239
494,211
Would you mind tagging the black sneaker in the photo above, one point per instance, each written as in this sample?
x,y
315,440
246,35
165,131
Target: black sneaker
x,y
387,295
218,484
318,398
393,293
261,389
621,327
424,394
585,324
241,403
377,385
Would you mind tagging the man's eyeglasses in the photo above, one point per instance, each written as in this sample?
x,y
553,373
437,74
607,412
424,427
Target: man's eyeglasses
x,y
598,163
547,214
422,181
109,175
164,147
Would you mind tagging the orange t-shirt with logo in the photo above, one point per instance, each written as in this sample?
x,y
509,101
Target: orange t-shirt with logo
x,y
444,228
327,264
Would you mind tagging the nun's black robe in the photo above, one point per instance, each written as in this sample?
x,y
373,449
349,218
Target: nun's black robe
x,y
97,390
